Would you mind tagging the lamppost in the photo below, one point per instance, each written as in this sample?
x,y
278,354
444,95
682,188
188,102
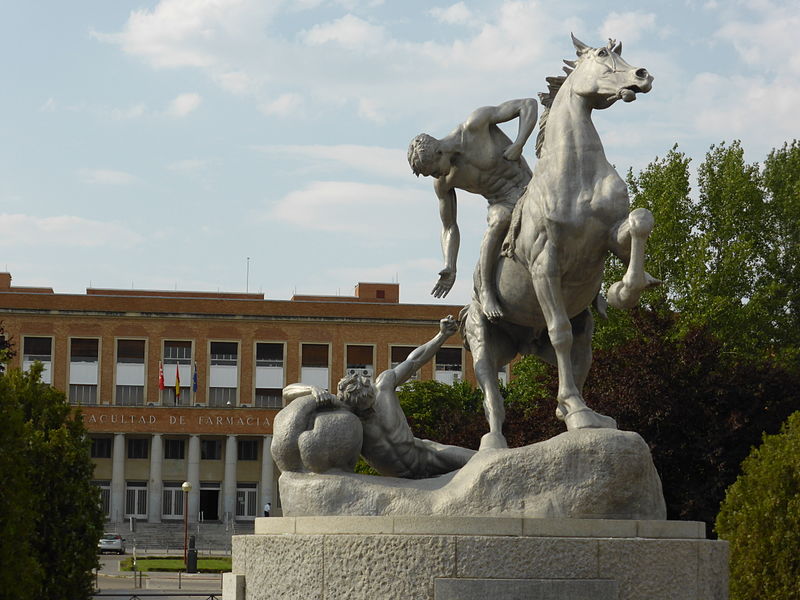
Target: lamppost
x,y
186,487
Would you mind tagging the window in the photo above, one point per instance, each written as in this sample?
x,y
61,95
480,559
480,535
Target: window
x,y
221,396
172,499
37,348
210,449
246,500
138,447
269,398
359,360
177,352
315,355
101,447
130,395
83,350
136,499
448,359
248,449
168,397
173,449
130,352
224,353
82,394
269,355
105,496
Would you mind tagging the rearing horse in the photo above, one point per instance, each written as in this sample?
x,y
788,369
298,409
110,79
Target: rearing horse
x,y
574,211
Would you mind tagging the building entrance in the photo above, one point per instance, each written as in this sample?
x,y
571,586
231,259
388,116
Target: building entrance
x,y
209,505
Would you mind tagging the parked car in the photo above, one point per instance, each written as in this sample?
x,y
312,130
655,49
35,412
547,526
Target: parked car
x,y
111,542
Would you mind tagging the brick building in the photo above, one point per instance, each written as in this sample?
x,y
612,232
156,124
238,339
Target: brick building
x,y
222,359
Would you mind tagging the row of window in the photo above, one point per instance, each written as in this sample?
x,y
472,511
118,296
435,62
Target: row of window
x,y
174,449
267,354
173,500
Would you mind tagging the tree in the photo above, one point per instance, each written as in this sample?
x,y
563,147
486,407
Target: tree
x,y
6,349
760,517
51,472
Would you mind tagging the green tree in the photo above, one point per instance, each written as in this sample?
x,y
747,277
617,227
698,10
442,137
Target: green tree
x,y
53,472
760,517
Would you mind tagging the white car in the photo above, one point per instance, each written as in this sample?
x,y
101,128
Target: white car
x,y
111,542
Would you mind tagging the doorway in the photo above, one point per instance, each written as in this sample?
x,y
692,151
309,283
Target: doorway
x,y
209,504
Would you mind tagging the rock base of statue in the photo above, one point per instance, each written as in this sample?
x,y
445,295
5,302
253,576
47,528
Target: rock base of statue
x,y
586,473
475,558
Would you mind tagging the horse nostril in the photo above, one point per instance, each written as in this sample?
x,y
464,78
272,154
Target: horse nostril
x,y
642,73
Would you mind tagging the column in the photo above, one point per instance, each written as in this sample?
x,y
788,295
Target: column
x,y
193,477
266,477
118,479
229,478
156,484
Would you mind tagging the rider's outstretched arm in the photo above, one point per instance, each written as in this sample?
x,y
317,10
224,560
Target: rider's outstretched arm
x,y
424,353
451,237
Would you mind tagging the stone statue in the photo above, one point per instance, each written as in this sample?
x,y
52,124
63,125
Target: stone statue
x,y
320,432
479,158
572,214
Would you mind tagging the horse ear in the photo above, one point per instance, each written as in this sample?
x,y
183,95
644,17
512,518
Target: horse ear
x,y
618,49
580,47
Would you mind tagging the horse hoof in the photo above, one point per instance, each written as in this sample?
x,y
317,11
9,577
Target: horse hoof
x,y
493,441
586,418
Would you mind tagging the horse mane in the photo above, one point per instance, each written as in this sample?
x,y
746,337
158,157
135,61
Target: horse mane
x,y
546,98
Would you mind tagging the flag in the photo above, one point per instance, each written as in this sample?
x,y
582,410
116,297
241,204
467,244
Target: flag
x,y
177,381
160,375
194,379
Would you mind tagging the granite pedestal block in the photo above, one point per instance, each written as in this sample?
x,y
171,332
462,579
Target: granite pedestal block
x,y
472,558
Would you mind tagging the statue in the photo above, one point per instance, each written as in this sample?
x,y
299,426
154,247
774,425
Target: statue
x,y
532,297
321,432
573,212
479,158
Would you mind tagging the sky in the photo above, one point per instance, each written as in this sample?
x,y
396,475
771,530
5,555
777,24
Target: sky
x,y
260,145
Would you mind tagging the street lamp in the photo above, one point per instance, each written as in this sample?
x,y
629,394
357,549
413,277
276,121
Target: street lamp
x,y
186,487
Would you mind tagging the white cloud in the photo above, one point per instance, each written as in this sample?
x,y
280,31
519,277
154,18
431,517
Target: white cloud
x,y
106,177
348,31
283,106
379,162
353,208
183,104
455,14
48,106
753,109
767,38
188,164
628,26
25,230
132,112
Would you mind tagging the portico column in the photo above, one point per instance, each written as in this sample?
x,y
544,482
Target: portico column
x,y
156,485
266,475
118,479
229,478
193,477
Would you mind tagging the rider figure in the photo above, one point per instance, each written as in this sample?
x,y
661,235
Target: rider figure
x,y
479,158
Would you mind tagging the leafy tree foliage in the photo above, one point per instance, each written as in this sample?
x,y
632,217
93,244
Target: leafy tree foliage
x,y
54,520
761,518
7,351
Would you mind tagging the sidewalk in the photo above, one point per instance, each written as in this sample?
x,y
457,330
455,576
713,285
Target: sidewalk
x,y
109,577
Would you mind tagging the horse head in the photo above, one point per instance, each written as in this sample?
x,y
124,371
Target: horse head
x,y
602,76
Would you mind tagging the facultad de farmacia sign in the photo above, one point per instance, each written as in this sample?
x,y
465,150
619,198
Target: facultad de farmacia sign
x,y
177,420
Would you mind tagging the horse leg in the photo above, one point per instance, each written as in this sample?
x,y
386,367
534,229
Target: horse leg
x,y
628,241
570,351
489,350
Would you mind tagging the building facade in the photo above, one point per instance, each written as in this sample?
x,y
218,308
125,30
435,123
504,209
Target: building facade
x,y
183,386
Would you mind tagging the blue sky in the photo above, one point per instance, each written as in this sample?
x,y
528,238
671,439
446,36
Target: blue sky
x,y
158,144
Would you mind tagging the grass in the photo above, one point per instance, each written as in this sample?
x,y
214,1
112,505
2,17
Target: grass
x,y
213,564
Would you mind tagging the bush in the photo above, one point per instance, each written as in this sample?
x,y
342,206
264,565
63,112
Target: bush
x,y
760,517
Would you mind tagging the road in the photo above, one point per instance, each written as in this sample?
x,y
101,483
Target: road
x,y
121,583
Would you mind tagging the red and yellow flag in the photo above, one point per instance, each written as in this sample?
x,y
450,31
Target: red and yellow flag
x,y
177,381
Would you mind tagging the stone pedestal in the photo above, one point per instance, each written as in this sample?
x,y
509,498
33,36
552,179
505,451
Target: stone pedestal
x,y
478,558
